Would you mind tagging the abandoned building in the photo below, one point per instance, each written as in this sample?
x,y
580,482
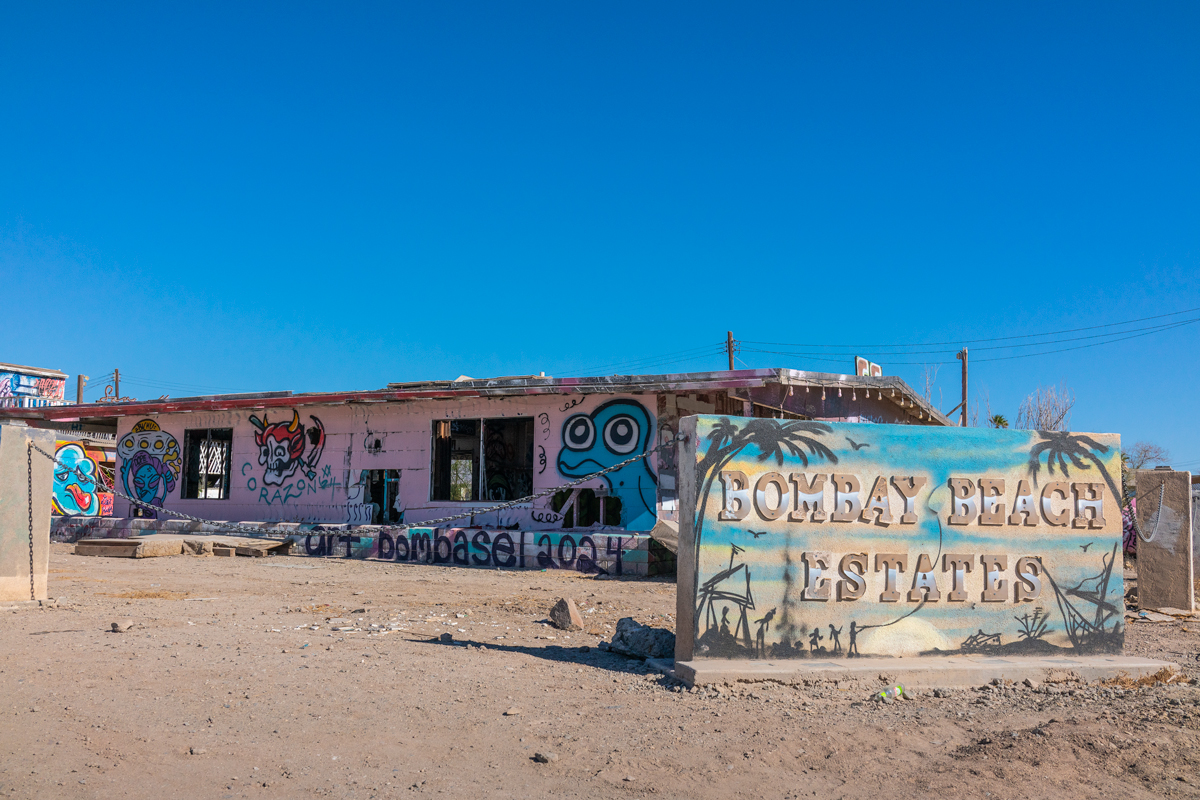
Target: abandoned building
x,y
420,451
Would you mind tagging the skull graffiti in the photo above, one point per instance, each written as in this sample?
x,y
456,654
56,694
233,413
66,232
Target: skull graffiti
x,y
281,447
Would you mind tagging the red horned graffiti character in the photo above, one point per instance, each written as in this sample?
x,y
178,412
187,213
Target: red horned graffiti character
x,y
281,447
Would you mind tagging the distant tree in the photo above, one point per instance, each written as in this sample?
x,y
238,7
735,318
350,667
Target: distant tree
x,y
929,380
1145,454
1048,408
998,421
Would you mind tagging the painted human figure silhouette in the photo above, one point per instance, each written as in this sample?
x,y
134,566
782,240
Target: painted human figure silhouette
x,y
725,621
814,640
852,650
764,624
835,634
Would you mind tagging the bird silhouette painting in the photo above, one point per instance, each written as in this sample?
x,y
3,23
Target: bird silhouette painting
x,y
1084,547
756,534
856,445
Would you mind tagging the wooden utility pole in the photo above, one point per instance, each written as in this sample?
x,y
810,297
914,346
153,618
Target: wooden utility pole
x,y
962,356
117,383
729,348
80,382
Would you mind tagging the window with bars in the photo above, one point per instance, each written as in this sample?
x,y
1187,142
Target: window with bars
x,y
207,456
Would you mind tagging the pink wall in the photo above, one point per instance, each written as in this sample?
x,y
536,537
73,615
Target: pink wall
x,y
312,486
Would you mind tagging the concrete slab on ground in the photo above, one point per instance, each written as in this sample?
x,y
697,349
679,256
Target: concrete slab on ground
x,y
920,673
160,544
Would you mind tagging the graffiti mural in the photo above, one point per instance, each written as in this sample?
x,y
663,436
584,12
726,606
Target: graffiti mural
x,y
814,540
21,390
281,447
595,553
150,462
609,435
77,483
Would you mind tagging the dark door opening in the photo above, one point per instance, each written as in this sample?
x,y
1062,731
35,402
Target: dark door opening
x,y
383,489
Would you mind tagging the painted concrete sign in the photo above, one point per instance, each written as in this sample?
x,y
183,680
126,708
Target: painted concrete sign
x,y
801,539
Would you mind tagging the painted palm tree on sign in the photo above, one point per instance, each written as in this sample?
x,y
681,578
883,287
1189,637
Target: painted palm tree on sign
x,y
1070,449
771,437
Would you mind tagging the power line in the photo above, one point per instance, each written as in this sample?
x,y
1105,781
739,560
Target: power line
x,y
155,383
961,342
1093,344
1155,329
1163,326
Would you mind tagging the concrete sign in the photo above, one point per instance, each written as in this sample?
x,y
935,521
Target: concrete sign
x,y
801,539
1164,513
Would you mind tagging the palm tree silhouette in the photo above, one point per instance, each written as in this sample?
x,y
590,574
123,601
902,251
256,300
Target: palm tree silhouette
x,y
771,436
1075,448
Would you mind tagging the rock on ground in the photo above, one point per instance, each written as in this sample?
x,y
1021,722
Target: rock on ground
x,y
565,615
635,639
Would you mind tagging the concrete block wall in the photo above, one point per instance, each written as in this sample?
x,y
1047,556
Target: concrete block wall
x,y
14,511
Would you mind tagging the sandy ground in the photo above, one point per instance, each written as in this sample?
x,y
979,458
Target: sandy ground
x,y
223,689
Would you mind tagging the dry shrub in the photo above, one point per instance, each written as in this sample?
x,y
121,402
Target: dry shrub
x,y
146,594
1166,675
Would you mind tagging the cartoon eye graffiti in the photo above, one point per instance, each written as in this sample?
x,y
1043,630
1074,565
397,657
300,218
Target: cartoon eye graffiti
x,y
580,432
143,444
621,434
158,445
129,442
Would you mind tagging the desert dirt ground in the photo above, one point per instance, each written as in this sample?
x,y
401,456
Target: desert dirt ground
x,y
232,683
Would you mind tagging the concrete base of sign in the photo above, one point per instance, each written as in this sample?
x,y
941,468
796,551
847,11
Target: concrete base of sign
x,y
918,674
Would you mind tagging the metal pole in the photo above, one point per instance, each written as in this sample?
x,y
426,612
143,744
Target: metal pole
x,y
117,384
962,355
80,382
729,348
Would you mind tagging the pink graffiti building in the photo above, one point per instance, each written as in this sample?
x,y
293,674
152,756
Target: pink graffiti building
x,y
415,452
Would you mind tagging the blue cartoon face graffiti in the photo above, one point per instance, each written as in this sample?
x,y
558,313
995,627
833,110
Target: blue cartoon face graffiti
x,y
612,433
75,482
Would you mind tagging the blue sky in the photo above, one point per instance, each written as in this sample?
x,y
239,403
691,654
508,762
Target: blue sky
x,y
312,197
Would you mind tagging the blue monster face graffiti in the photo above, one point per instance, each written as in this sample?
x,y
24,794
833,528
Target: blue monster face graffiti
x,y
612,433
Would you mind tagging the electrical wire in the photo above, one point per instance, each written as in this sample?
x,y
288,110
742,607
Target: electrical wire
x,y
993,339
161,384
1163,326
1156,329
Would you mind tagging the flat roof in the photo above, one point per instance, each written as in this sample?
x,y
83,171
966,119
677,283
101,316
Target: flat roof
x,y
889,387
38,371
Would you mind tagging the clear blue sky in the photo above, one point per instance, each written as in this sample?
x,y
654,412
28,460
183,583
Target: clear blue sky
x,y
335,196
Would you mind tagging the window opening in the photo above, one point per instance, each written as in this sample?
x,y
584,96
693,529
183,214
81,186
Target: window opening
x,y
482,460
582,508
456,456
508,458
206,459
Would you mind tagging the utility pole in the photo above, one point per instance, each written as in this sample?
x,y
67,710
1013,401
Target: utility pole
x,y
729,348
117,384
80,382
962,356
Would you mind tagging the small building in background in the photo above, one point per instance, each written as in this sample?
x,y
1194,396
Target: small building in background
x,y
91,452
31,387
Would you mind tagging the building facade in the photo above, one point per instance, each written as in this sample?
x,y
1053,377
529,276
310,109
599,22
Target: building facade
x,y
423,451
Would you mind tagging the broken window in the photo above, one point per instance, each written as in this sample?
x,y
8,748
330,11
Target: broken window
x,y
206,463
482,460
507,458
456,449
582,508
